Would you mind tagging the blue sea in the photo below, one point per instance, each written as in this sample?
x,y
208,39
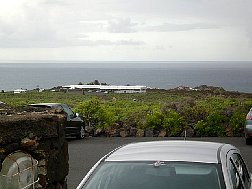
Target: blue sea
x,y
232,76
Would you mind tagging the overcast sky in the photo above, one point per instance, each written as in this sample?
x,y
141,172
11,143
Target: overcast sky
x,y
97,30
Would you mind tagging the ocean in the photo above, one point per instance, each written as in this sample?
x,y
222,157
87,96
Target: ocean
x,y
232,76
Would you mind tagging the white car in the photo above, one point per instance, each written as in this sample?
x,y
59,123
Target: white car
x,y
170,165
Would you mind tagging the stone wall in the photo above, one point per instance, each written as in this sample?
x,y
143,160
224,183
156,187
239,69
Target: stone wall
x,y
40,134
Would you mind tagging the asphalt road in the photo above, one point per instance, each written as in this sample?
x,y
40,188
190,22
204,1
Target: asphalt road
x,y
83,154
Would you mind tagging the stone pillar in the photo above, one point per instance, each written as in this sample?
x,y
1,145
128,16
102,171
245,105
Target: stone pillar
x,y
40,134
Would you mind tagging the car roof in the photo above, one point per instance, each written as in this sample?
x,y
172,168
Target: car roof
x,y
188,151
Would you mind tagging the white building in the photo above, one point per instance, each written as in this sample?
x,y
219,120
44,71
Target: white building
x,y
109,88
17,91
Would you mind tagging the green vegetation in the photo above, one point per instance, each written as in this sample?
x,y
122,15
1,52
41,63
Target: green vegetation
x,y
206,114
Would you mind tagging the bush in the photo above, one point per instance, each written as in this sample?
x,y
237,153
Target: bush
x,y
154,120
173,123
136,119
193,114
236,123
212,126
94,114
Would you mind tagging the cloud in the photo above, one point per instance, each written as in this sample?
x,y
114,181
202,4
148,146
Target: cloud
x,y
129,42
37,25
6,28
249,33
121,25
167,27
54,2
107,24
31,34
109,43
93,25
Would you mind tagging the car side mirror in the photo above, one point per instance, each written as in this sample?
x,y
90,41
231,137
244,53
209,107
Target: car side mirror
x,y
77,114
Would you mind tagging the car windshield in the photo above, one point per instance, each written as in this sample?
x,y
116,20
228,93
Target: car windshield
x,y
68,110
157,175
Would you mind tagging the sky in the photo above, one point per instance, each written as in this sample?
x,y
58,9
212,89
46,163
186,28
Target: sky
x,y
125,30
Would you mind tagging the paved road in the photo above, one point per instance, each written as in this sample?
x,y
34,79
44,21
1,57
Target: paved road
x,y
83,154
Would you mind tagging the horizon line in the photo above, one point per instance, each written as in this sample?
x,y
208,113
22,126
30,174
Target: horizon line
x,y
117,61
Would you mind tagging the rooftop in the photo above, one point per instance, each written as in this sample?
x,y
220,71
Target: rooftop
x,y
190,151
105,87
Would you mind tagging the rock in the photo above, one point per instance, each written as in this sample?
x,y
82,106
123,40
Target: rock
x,y
30,144
114,133
89,130
162,133
229,132
189,132
156,133
2,104
114,130
99,132
133,131
140,133
123,134
148,133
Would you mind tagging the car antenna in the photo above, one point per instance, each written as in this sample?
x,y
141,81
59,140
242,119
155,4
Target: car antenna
x,y
185,134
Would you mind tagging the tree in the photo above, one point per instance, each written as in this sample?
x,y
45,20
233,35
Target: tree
x,y
96,82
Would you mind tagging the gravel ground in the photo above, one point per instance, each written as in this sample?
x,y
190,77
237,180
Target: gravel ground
x,y
83,154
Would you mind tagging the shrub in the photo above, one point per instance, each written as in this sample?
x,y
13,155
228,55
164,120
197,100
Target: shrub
x,y
193,114
154,120
136,119
173,123
236,123
213,125
94,114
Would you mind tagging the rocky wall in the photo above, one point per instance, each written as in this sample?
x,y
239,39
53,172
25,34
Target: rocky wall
x,y
40,134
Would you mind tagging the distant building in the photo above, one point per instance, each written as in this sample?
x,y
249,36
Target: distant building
x,y
108,88
17,91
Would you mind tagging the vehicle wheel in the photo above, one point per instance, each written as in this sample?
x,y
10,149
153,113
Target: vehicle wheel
x,y
248,141
82,133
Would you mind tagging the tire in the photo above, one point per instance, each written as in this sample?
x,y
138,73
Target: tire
x,y
81,134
